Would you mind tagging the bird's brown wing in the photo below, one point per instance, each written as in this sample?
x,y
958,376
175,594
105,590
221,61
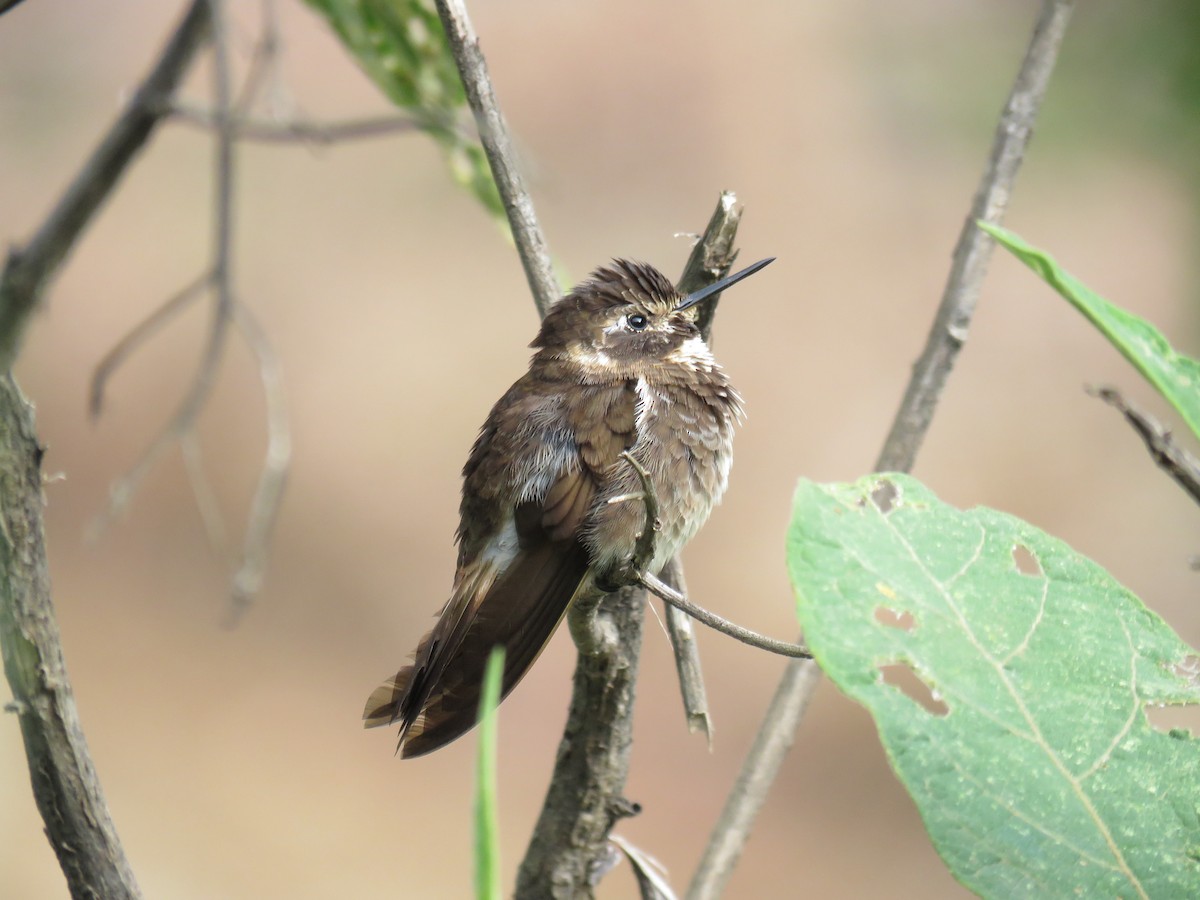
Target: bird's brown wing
x,y
508,596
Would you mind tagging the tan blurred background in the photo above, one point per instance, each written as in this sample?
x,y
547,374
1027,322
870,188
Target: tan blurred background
x,y
854,133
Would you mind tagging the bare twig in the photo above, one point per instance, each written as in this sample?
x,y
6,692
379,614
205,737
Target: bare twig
x,y
247,578
298,131
687,657
493,133
644,551
206,498
29,269
137,336
267,496
65,785
1167,455
758,773
584,800
712,258
650,873
974,248
910,425
193,402
262,61
717,623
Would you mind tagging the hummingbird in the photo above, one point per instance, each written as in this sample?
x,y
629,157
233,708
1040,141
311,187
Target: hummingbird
x,y
619,365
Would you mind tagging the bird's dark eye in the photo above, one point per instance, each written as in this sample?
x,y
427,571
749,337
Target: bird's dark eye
x,y
638,322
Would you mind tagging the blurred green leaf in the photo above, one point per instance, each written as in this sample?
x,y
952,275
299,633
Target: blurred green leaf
x,y
487,827
1177,377
401,45
1031,761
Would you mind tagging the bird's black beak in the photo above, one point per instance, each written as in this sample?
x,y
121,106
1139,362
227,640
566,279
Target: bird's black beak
x,y
717,286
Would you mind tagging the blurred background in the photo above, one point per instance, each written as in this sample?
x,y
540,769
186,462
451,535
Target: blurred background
x,y
853,132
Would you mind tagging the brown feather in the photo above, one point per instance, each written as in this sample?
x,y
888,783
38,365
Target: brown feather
x,y
537,486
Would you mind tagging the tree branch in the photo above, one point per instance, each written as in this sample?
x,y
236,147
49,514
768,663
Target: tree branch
x,y
64,780
568,851
681,631
65,784
974,248
493,132
719,623
909,427
296,131
29,269
1167,455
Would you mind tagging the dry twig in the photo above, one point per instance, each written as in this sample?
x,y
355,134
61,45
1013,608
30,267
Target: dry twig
x,y
493,133
1167,455
65,785
909,427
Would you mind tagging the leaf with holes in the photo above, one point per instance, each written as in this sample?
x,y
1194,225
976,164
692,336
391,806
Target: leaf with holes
x,y
1029,755
402,46
1175,376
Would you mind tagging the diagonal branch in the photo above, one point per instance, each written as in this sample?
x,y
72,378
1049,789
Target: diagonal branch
x,y
1167,455
493,133
65,784
719,623
30,268
644,551
64,779
909,427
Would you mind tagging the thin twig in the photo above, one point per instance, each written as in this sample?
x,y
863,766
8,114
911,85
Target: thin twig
x,y
643,548
712,258
263,60
974,248
206,499
758,773
681,630
1167,455
911,423
644,551
298,131
717,623
493,133
137,336
65,785
185,417
29,269
264,509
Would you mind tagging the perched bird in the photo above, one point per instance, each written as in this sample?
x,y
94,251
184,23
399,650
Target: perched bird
x,y
619,365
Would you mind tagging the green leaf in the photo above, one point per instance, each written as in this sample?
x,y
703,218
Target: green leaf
x,y
1041,775
401,45
1177,377
487,827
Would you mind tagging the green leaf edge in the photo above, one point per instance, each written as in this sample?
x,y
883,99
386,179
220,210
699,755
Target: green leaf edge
x,y
1173,374
911,486
422,79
